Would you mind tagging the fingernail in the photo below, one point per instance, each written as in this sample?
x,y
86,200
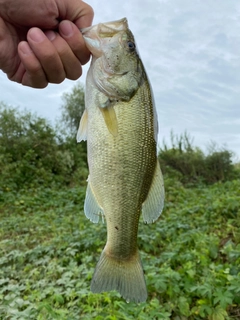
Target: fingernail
x,y
51,35
24,47
36,35
66,28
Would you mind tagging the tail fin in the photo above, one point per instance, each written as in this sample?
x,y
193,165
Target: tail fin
x,y
125,276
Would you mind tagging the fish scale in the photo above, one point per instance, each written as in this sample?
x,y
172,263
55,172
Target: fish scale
x,y
120,126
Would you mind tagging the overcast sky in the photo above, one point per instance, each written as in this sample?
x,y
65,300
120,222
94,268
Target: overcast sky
x,y
191,51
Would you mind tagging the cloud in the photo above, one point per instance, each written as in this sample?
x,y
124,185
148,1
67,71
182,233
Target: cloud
x,y
45,102
191,53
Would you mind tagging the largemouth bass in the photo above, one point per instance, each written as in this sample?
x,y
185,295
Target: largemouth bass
x,y
120,126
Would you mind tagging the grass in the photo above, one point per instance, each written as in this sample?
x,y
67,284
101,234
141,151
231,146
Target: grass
x,y
191,256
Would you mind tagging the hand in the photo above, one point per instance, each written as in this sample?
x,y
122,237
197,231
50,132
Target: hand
x,y
40,41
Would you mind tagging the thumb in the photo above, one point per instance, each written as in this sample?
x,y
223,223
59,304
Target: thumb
x,y
76,11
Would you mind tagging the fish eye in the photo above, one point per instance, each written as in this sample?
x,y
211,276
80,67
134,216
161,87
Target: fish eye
x,y
131,45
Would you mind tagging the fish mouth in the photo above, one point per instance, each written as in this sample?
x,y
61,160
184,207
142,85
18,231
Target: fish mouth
x,y
107,28
94,34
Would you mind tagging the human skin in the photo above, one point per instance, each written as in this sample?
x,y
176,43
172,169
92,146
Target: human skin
x,y
40,41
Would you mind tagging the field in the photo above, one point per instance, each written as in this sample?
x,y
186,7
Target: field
x,y
48,248
191,256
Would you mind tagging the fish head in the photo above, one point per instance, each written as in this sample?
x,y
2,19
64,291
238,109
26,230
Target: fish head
x,y
113,44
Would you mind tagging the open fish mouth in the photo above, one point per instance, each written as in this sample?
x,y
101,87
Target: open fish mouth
x,y
106,29
94,34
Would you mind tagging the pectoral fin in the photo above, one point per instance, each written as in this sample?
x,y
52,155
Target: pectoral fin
x,y
82,131
153,205
92,208
110,119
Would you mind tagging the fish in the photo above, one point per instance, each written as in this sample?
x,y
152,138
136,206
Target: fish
x,y
125,180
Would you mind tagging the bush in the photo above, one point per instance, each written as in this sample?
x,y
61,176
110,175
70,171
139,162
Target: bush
x,y
192,166
31,152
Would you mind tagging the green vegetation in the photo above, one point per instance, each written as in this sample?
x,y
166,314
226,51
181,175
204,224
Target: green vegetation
x,y
72,109
48,248
191,256
33,153
192,166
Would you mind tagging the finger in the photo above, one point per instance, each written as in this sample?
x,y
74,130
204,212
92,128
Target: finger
x,y
9,60
28,13
77,11
84,17
72,35
47,55
70,62
30,72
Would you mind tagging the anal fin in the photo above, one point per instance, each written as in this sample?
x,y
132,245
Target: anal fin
x,y
153,205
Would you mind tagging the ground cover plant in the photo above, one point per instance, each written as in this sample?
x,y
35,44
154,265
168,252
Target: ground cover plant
x,y
191,256
48,248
